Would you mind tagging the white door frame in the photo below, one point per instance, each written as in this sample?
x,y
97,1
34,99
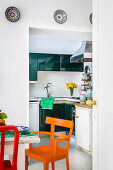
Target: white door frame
x,y
95,39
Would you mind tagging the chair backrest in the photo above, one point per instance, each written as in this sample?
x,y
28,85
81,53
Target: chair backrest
x,y
59,122
3,129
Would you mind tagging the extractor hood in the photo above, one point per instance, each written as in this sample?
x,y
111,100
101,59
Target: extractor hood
x,y
83,54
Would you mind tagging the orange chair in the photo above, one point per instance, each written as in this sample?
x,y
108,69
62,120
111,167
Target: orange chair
x,y
52,153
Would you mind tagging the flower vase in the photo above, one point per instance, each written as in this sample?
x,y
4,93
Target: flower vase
x,y
71,91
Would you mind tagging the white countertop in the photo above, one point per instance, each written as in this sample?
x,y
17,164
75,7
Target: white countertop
x,y
37,99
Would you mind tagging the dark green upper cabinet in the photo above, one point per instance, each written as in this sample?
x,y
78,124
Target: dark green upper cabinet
x,y
51,62
32,66
48,62
67,66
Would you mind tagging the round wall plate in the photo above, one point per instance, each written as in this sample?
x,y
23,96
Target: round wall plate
x,y
12,14
91,18
60,16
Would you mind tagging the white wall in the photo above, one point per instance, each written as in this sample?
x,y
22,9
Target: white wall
x,y
58,80
14,47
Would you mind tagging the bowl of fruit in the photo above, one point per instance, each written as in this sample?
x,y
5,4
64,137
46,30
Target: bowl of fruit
x,y
3,116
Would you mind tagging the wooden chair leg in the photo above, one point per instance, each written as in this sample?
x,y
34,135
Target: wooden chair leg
x,y
53,165
46,166
67,162
26,162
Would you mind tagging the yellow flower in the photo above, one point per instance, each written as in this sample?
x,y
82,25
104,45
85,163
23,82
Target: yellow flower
x,y
71,85
68,87
75,85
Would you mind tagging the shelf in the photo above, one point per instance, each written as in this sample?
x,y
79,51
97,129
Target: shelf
x,y
85,80
83,90
84,84
83,60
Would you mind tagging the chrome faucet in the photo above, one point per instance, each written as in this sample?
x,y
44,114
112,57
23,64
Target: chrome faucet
x,y
47,88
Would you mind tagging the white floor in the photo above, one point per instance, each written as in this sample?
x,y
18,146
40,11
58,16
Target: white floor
x,y
79,160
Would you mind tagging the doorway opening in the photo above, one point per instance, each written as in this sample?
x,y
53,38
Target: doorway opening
x,y
53,61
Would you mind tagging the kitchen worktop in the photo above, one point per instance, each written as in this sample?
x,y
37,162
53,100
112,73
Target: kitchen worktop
x,y
82,105
67,100
57,99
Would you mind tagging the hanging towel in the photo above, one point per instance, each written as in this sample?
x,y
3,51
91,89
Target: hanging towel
x,y
47,102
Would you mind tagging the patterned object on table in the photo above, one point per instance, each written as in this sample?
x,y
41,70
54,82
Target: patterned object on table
x,y
12,14
22,129
60,16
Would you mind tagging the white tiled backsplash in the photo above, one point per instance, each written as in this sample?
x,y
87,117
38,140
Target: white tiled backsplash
x,y
58,80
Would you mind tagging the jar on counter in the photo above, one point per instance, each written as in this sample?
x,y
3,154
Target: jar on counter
x,y
89,94
82,98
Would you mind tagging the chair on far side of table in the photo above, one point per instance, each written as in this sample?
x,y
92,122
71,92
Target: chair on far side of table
x,y
52,153
6,164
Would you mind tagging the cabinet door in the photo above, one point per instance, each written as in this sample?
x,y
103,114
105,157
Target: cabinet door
x,y
48,62
67,66
32,67
83,128
61,115
43,113
54,112
34,116
68,111
61,111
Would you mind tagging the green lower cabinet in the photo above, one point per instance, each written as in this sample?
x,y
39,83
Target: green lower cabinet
x,y
68,111
32,66
67,66
61,111
43,113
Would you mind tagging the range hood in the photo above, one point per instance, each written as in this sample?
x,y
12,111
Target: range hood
x,y
83,54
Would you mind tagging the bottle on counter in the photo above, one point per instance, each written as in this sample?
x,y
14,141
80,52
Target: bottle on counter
x,y
82,98
89,94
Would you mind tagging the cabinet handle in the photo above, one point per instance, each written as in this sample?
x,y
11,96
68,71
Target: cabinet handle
x,y
77,117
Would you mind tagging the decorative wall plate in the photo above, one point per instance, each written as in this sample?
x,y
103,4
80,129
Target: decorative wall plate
x,y
90,18
12,14
60,16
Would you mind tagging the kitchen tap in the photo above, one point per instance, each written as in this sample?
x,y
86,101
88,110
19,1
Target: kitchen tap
x,y
47,88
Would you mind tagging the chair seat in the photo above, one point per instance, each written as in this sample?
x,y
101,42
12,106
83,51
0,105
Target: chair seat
x,y
7,164
46,153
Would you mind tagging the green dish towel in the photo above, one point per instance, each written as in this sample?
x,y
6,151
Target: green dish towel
x,y
47,102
